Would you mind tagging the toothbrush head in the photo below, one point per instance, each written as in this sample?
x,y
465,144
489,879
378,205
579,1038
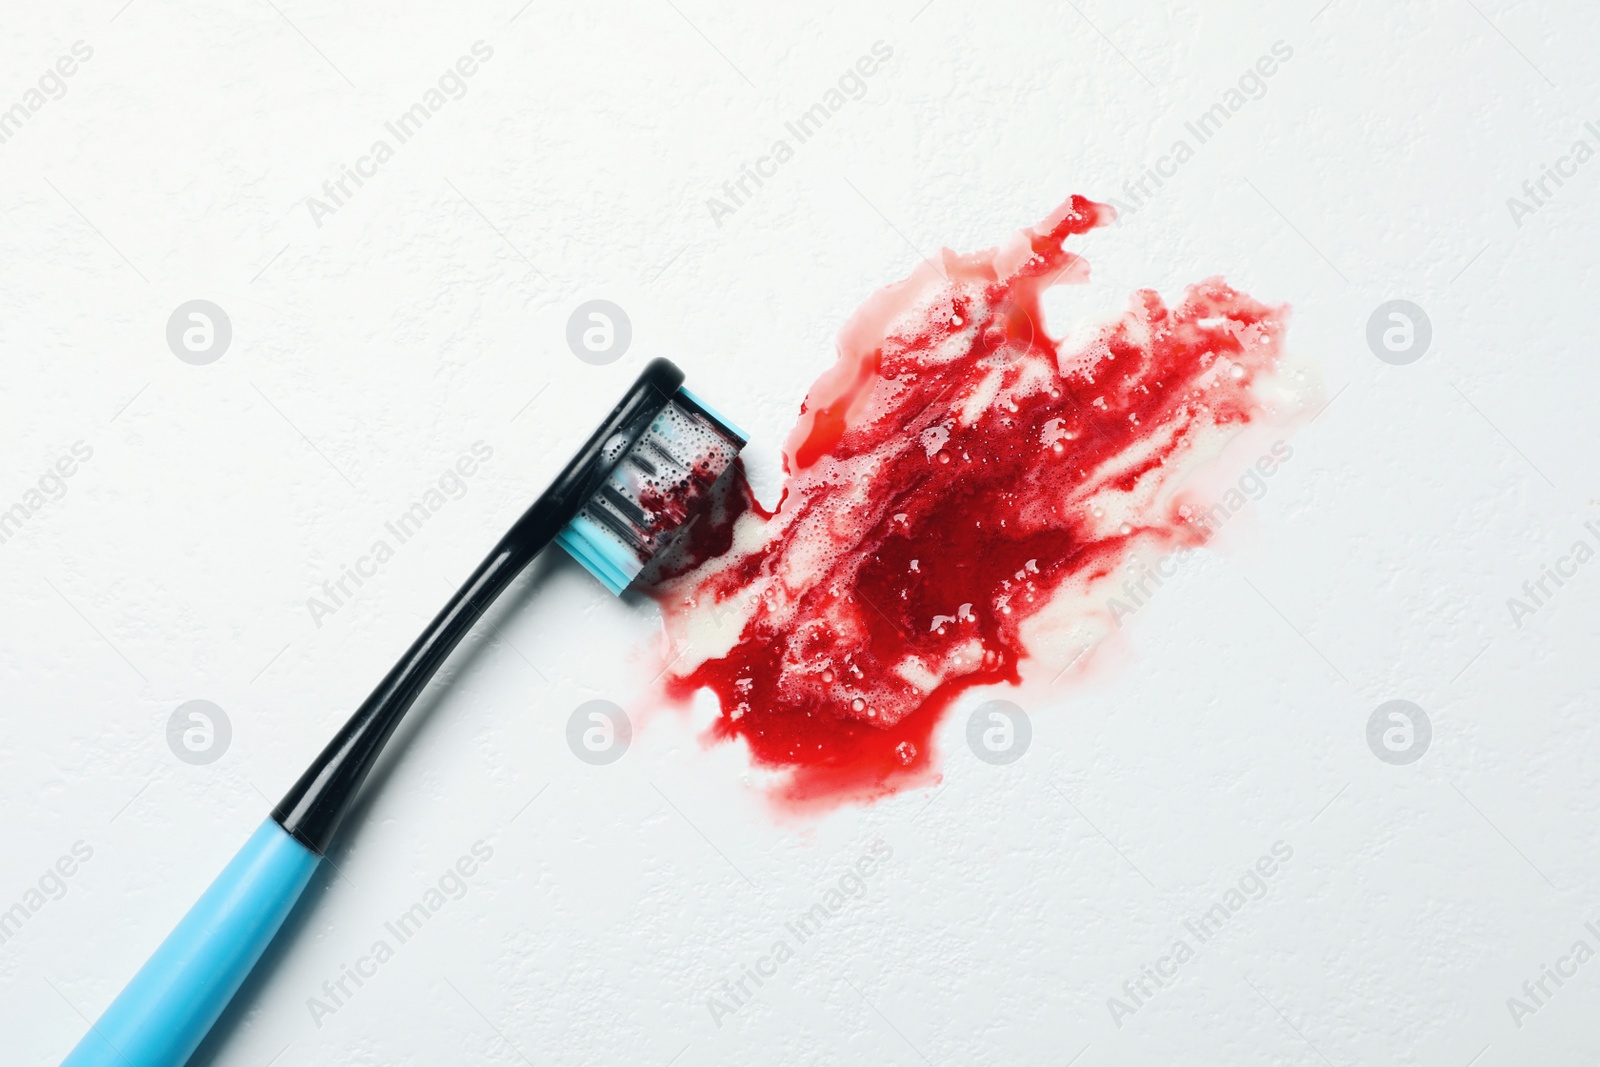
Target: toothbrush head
x,y
652,472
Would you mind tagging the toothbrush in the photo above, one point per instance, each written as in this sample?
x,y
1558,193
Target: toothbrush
x,y
633,486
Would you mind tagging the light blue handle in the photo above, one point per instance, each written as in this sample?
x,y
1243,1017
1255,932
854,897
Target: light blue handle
x,y
160,1017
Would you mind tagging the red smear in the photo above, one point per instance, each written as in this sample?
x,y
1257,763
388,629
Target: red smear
x,y
949,476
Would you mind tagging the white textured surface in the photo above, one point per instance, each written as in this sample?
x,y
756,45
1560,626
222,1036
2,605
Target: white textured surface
x,y
370,352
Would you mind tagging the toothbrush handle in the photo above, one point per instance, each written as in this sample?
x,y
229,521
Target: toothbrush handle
x,y
162,1014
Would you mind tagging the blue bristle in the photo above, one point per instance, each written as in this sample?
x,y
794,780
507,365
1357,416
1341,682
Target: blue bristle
x,y
671,467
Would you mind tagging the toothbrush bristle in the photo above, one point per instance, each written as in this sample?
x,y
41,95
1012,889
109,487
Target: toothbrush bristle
x,y
652,491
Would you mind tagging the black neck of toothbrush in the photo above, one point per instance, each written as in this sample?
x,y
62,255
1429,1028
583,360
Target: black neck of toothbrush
x,y
319,801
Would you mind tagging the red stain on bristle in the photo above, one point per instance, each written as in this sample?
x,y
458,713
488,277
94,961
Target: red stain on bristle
x,y
943,485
